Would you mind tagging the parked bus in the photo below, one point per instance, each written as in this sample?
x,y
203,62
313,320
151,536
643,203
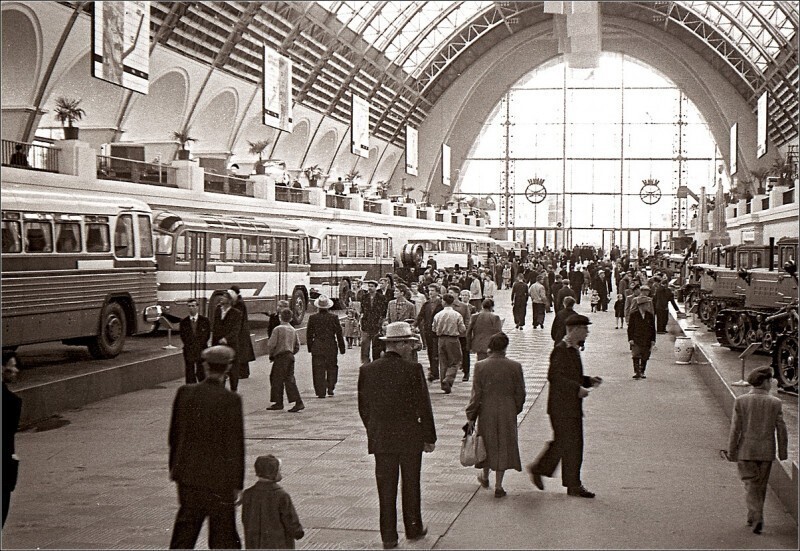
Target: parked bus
x,y
483,247
200,255
446,249
337,250
77,268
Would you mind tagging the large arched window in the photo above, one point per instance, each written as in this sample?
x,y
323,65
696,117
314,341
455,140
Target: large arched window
x,y
594,137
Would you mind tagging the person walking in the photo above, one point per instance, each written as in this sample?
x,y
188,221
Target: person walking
x,y
559,328
206,456
463,305
225,328
482,326
244,351
401,308
395,408
12,410
662,298
425,324
519,301
498,394
195,330
282,346
323,334
489,286
373,312
568,388
756,421
448,326
538,294
641,336
564,292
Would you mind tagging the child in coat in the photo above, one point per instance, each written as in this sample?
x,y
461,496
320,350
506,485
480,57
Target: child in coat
x,y
351,332
619,312
269,518
595,300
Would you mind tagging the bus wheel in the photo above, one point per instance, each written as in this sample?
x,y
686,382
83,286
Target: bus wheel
x,y
298,306
113,328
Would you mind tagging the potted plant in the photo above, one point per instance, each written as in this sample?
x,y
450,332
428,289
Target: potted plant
x,y
257,148
383,189
352,176
69,111
313,173
760,176
183,138
783,169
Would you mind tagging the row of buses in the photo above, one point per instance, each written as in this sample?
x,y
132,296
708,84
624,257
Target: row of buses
x,y
89,270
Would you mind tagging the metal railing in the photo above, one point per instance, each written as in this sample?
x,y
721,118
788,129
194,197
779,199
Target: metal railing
x,y
335,201
138,172
291,195
399,210
228,185
30,156
788,196
372,206
422,215
440,217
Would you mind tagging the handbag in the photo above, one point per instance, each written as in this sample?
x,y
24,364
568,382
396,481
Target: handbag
x,y
473,450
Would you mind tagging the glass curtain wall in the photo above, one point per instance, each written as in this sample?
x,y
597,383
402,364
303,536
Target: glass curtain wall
x,y
594,137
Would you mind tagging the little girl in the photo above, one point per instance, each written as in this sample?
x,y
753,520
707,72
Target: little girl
x,y
619,312
595,300
352,333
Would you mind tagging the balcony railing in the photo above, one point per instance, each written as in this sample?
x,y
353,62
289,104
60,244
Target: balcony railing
x,y
30,156
440,217
336,201
372,206
229,185
765,203
788,196
748,206
399,210
127,170
422,215
291,195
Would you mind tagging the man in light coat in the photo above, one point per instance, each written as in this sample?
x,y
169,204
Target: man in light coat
x,y
757,418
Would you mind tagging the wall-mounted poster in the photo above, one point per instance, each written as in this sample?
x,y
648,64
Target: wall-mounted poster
x,y
277,90
412,151
761,148
121,44
445,164
734,146
359,127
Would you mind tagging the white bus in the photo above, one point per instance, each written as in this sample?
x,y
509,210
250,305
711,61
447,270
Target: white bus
x,y
448,250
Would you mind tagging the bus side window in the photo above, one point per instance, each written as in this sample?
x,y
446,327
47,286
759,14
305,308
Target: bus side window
x,y
39,237
68,237
123,237
233,248
265,249
250,243
181,254
11,238
294,251
145,237
214,247
370,247
97,240
361,247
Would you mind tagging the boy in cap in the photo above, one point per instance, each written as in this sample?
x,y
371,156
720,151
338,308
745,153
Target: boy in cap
x,y
269,517
282,346
757,418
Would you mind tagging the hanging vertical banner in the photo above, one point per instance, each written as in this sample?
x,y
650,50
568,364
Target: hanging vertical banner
x,y
277,90
121,44
761,148
412,151
734,146
359,127
445,164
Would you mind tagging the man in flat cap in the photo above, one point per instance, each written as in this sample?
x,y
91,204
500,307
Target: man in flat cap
x,y
568,388
641,335
757,418
395,407
206,455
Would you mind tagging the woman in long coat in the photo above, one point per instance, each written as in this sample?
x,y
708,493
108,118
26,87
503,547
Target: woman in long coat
x,y
498,394
244,349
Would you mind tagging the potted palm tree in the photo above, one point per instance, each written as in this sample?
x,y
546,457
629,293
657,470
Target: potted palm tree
x,y
183,138
313,173
783,169
760,176
257,148
68,111
352,176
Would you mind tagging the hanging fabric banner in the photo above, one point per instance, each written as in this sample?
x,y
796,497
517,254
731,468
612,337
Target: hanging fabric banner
x,y
359,127
121,44
761,131
412,151
277,90
445,164
734,146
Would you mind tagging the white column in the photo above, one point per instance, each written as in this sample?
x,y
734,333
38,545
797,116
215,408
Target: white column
x,y
77,158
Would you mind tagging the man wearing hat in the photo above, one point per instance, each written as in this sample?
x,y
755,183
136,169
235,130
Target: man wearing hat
x,y
641,335
206,455
568,388
323,334
225,329
395,407
757,418
373,312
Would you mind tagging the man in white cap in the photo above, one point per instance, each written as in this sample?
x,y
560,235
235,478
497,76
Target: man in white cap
x,y
323,334
206,456
395,407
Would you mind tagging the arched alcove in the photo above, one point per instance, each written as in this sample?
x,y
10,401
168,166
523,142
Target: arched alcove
x,y
206,127
386,168
21,54
155,116
321,153
292,147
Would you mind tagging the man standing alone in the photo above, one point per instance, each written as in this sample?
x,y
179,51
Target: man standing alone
x,y
373,312
195,330
225,330
206,456
323,334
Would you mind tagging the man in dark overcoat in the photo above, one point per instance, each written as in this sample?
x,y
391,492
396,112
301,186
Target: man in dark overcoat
x,y
206,456
244,352
425,324
373,312
195,330
568,388
323,334
641,336
395,407
225,328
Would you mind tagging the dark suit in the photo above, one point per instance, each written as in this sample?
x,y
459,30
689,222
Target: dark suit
x,y
395,407
206,459
425,325
565,409
12,408
229,329
245,353
559,329
373,312
195,340
323,334
642,331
